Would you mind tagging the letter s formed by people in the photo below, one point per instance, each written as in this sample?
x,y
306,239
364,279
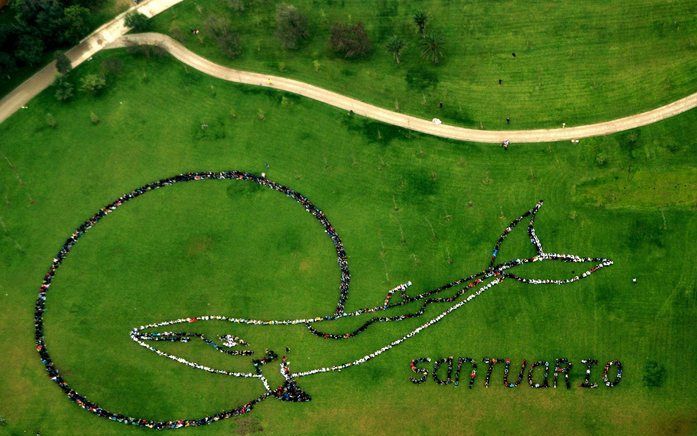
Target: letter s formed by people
x,y
414,365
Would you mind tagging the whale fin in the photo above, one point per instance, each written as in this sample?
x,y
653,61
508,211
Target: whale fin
x,y
400,290
534,240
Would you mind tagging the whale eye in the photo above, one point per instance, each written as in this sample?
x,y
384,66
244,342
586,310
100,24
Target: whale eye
x,y
232,341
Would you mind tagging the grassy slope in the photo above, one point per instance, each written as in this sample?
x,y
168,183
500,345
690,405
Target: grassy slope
x,y
198,249
104,13
576,63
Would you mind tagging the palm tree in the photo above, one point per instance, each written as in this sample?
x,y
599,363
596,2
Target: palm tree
x,y
432,47
420,18
395,45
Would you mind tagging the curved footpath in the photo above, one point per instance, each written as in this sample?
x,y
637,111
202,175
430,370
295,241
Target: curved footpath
x,y
97,40
112,35
190,58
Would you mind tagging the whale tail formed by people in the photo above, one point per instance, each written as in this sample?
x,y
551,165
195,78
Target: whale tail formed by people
x,y
541,255
244,347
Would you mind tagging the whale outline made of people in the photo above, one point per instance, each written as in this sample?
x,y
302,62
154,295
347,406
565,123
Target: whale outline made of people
x,y
464,292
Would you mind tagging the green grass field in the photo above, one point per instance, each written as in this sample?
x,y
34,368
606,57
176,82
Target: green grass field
x,y
408,207
575,63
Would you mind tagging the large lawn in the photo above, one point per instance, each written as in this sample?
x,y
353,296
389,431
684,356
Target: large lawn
x,y
408,207
576,62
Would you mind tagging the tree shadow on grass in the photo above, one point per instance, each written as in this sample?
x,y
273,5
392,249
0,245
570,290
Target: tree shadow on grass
x,y
375,132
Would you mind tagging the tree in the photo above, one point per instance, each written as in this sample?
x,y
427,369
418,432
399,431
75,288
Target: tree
x,y
420,18
42,18
654,374
7,64
8,35
138,22
29,49
63,64
227,39
350,41
92,83
64,88
74,23
395,45
432,48
291,26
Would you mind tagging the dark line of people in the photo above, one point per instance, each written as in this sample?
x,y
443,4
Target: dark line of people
x,y
287,391
562,368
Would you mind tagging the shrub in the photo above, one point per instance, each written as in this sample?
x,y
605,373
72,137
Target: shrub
x,y
92,83
63,64
138,22
395,45
29,49
654,374
64,88
75,23
224,36
420,19
51,121
432,48
350,41
291,26
94,119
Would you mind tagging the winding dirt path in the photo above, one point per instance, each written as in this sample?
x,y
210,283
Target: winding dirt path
x,y
112,35
96,41
190,58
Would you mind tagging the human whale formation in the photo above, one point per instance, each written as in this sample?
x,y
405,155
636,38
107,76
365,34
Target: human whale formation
x,y
398,306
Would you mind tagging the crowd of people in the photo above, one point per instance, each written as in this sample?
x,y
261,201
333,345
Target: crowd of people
x,y
562,367
436,366
497,272
618,378
452,375
40,306
589,363
414,365
472,373
290,391
409,335
144,339
228,341
531,374
507,370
